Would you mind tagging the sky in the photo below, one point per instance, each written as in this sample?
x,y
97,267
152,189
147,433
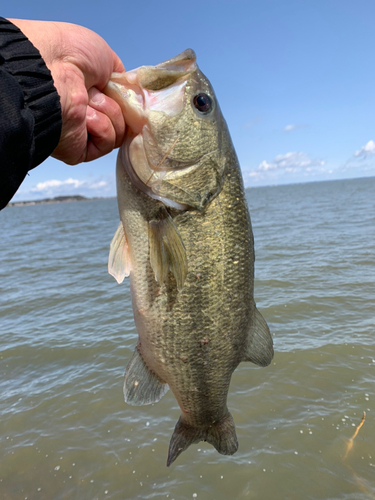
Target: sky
x,y
295,80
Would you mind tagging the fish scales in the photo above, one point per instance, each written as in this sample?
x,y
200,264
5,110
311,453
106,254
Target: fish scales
x,y
191,261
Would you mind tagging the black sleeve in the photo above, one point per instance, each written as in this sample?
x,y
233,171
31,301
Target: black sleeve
x,y
30,112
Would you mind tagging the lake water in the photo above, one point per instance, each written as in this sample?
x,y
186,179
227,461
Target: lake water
x,y
67,333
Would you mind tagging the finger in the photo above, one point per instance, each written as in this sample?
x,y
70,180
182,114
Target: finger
x,y
104,104
72,146
118,66
101,134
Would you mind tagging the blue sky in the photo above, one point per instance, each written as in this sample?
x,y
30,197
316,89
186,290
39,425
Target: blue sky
x,y
294,78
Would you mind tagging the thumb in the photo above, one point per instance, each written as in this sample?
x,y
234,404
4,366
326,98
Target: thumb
x,y
118,66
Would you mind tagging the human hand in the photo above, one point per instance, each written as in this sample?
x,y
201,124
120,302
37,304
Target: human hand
x,y
81,63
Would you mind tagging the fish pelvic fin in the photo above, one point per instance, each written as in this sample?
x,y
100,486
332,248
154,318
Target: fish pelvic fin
x,y
141,386
222,435
260,344
119,256
167,250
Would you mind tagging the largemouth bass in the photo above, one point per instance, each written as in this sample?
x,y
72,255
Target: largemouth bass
x,y
186,241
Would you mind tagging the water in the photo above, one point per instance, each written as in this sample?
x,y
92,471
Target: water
x,y
66,334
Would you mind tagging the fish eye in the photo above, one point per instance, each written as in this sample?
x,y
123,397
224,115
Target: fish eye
x,y
202,102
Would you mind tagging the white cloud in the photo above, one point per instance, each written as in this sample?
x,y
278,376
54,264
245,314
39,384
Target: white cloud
x,y
98,185
290,128
91,188
367,150
290,162
289,165
54,183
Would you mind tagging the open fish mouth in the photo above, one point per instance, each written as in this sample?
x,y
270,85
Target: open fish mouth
x,y
152,88
140,92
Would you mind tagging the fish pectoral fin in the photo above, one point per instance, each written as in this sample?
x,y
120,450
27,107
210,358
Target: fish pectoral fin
x,y
119,258
260,344
167,250
141,386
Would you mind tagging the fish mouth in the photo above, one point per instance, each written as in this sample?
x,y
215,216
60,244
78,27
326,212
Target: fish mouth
x,y
139,92
152,88
168,72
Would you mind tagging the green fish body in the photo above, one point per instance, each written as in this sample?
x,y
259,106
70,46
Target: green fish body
x,y
186,241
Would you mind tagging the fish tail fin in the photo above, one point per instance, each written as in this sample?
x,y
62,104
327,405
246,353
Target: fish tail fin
x,y
222,435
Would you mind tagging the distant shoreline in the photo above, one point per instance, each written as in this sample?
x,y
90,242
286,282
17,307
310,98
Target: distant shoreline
x,y
67,199
56,199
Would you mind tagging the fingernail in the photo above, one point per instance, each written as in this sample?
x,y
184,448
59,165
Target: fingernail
x,y
96,96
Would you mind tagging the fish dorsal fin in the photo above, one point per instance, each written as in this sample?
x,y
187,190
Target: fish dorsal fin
x,y
141,387
119,258
260,345
167,250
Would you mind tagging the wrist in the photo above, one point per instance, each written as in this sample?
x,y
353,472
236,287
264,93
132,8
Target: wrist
x,y
24,62
40,35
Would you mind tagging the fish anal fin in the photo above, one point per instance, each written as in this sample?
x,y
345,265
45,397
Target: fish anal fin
x,y
119,258
141,386
167,250
222,435
260,344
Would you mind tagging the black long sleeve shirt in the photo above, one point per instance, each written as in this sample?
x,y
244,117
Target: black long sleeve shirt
x,y
30,112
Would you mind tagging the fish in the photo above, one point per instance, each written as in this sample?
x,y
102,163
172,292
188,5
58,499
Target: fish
x,y
186,242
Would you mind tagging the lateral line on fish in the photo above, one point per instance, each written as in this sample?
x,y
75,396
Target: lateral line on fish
x,y
220,213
